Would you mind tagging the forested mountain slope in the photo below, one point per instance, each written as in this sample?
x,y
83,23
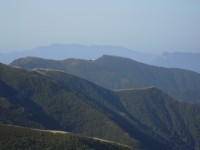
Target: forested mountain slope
x,y
164,118
121,73
145,99
141,118
29,99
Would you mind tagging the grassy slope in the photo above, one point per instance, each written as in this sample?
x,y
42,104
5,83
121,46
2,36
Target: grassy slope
x,y
13,138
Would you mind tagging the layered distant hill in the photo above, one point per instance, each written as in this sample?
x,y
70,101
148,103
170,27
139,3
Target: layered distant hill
x,y
114,72
189,61
144,118
62,51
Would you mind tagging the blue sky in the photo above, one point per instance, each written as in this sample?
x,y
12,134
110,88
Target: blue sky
x,y
142,25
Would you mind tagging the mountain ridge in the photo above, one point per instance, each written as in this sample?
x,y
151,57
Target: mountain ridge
x,y
114,72
142,118
63,51
182,60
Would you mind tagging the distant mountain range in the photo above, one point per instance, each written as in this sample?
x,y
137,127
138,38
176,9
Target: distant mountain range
x,y
62,51
115,73
189,61
145,118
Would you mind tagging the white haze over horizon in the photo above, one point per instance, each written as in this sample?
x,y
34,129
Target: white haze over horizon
x,y
141,25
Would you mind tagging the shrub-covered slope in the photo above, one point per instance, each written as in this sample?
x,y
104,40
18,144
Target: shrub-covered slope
x,y
13,137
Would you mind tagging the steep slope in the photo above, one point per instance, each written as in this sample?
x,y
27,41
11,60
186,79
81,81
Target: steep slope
x,y
32,100
138,106
103,96
109,102
189,61
162,117
121,73
144,118
13,137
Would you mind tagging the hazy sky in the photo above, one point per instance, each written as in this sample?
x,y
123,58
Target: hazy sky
x,y
147,26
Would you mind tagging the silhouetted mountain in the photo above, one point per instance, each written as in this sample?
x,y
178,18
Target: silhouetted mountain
x,y
141,118
189,61
61,51
13,137
114,72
